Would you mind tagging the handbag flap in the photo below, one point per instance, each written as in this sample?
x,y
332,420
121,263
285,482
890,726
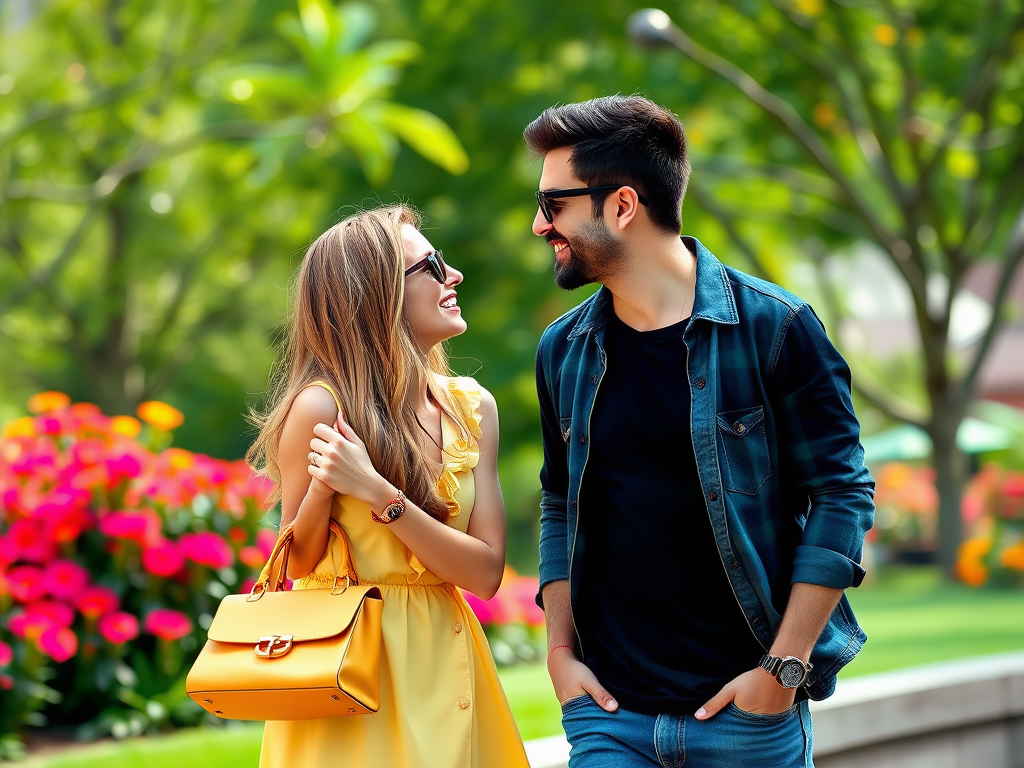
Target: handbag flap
x,y
305,614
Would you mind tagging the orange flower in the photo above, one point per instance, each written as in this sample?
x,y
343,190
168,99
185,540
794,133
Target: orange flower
x,y
1013,557
976,548
125,425
179,458
160,415
44,402
971,572
23,427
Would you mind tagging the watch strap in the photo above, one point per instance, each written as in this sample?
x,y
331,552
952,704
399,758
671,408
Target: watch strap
x,y
392,511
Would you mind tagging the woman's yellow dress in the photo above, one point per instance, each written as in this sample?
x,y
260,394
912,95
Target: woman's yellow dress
x,y
441,703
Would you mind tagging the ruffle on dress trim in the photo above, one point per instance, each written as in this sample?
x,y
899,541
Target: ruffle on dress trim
x,y
460,454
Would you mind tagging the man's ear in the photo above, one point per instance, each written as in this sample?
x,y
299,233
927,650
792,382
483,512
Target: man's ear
x,y
626,203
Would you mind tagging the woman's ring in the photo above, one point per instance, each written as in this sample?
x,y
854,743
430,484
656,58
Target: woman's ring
x,y
312,458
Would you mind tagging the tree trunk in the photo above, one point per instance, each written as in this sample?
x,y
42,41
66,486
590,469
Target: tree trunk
x,y
951,474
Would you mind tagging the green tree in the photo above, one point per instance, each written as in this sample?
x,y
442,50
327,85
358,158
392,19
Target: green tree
x,y
892,123
159,164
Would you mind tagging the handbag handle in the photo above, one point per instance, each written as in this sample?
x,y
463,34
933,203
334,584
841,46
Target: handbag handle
x,y
273,574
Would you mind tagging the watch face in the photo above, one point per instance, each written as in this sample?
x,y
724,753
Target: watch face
x,y
791,674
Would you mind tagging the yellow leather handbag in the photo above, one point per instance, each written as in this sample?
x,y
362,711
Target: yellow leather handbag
x,y
278,654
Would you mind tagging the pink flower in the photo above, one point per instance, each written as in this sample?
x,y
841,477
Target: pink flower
x,y
265,540
95,601
31,542
123,467
252,556
61,614
163,559
167,624
118,627
59,643
141,526
6,682
6,654
524,590
65,579
26,583
29,625
207,549
66,524
487,611
8,552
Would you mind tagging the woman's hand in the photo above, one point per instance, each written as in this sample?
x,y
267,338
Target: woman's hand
x,y
338,458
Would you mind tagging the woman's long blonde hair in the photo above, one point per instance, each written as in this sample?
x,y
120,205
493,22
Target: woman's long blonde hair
x,y
347,329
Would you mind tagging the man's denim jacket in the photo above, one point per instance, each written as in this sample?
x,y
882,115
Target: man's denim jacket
x,y
776,440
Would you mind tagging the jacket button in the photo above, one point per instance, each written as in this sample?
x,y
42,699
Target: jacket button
x,y
573,503
700,383
734,564
464,703
458,627
583,439
740,428
713,496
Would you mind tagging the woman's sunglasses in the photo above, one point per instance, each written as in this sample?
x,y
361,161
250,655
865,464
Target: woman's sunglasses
x,y
432,263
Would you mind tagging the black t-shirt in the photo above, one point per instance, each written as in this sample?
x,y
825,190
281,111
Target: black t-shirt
x,y
658,621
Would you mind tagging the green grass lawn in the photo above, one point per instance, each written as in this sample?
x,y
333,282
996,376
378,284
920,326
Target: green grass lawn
x,y
910,616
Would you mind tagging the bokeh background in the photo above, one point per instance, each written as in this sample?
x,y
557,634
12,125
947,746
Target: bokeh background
x,y
164,164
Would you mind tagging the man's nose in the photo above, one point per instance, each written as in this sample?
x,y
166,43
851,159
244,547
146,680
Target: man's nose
x,y
541,226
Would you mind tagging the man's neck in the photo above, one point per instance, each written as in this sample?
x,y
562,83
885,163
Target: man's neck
x,y
655,286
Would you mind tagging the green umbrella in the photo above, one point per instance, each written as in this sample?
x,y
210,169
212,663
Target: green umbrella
x,y
907,442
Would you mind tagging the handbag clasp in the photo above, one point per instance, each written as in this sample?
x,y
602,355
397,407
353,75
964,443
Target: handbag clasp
x,y
273,646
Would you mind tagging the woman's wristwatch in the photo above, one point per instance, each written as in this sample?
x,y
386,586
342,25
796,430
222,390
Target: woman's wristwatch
x,y
392,511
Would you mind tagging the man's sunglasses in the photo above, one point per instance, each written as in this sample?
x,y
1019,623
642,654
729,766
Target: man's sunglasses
x,y
544,198
432,263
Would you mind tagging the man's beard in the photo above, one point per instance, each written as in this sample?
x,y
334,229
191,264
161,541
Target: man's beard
x,y
593,254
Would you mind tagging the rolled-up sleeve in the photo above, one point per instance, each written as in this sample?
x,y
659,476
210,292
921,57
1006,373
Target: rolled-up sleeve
x,y
554,481
819,439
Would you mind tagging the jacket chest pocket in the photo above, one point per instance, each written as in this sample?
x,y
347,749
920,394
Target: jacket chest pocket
x,y
745,449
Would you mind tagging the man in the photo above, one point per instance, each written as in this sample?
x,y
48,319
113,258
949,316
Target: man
x,y
704,494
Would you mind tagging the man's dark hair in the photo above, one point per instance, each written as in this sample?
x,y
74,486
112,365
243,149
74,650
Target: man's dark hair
x,y
626,140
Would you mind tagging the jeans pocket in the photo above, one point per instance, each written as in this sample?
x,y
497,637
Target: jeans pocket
x,y
575,702
764,718
745,449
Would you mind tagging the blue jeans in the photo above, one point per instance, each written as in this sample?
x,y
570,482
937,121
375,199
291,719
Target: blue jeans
x,y
731,739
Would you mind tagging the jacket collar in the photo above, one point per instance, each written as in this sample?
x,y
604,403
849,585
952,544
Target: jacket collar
x,y
713,300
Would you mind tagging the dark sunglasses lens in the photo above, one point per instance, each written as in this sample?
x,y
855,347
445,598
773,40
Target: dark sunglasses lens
x,y
437,268
543,205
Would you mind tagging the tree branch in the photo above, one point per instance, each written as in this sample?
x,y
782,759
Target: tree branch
x,y
728,224
1014,256
42,278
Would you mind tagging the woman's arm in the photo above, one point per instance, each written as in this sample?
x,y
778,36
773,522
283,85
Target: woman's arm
x,y
305,500
474,560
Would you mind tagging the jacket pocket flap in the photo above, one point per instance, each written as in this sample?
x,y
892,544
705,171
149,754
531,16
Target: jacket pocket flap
x,y
305,614
740,423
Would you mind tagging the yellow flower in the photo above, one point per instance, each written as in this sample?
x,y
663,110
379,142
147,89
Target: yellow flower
x,y
1013,557
125,425
885,34
160,415
44,402
23,427
180,458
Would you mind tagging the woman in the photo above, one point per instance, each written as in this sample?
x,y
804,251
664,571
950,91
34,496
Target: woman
x,y
367,427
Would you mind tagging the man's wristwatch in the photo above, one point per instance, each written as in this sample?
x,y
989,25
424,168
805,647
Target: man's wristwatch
x,y
392,511
788,671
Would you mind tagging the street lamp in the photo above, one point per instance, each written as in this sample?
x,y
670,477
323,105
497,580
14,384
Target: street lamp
x,y
652,28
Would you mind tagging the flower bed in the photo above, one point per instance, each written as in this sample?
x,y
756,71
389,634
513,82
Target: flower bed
x,y
994,512
115,550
